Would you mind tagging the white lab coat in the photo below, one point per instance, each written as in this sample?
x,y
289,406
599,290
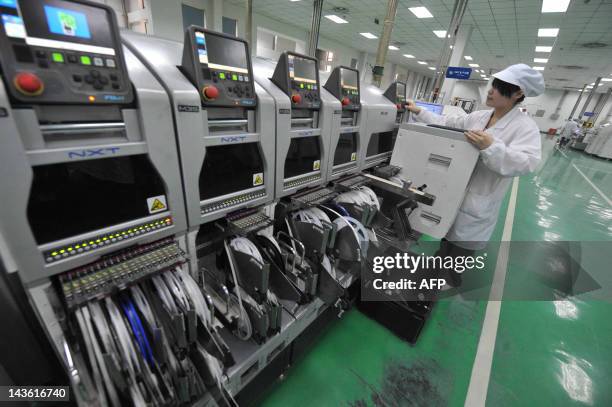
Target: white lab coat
x,y
569,129
516,150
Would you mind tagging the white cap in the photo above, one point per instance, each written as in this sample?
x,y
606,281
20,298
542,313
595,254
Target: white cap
x,y
525,77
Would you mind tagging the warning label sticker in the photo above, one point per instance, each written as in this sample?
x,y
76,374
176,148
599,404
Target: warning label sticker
x,y
258,179
157,204
353,156
316,165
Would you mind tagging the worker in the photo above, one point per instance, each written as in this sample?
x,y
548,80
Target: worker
x,y
569,129
510,145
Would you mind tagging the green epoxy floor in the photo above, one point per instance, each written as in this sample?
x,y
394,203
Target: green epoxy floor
x,y
546,353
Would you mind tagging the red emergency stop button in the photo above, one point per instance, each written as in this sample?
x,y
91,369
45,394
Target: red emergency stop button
x,y
210,92
296,99
345,101
399,106
28,84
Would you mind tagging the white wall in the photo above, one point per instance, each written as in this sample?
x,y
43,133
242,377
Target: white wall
x,y
548,101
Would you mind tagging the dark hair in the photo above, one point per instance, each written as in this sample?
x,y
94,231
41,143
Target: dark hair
x,y
507,89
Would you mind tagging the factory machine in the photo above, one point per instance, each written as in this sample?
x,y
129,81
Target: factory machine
x,y
345,141
94,222
600,143
381,129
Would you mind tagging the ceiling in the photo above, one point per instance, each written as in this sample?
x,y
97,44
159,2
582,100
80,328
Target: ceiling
x,y
504,32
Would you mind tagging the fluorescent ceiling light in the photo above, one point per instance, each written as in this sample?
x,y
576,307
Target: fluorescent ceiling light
x,y
555,6
369,35
422,62
420,12
474,65
548,32
440,33
468,58
540,48
540,60
606,79
393,48
538,68
409,56
432,68
336,19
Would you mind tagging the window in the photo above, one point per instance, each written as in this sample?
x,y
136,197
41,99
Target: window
x,y
192,16
230,26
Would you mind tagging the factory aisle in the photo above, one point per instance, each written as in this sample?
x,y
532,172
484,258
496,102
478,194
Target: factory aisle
x,y
544,350
557,352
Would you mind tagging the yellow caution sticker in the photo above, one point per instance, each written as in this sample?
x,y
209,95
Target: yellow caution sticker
x,y
258,179
157,204
353,156
316,165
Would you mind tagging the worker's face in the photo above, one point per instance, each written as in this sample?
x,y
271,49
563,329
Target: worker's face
x,y
498,101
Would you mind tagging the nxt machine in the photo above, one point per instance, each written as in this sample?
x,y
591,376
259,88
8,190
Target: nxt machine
x,y
93,220
345,142
303,122
224,131
381,122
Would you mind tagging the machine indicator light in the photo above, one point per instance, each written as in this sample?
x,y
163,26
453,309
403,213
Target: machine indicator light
x,y
57,57
104,238
54,254
222,75
70,249
301,85
62,251
84,244
234,77
91,98
98,241
85,60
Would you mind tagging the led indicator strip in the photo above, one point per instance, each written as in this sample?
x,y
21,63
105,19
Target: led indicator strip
x,y
107,239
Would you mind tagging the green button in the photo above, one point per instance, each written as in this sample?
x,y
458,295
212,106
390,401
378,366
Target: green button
x,y
222,75
57,57
85,60
234,77
302,85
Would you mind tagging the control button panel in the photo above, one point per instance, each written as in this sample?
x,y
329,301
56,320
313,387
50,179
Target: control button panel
x,y
343,83
298,76
220,67
82,64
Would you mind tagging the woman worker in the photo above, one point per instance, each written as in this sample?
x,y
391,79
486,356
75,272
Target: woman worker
x,y
510,145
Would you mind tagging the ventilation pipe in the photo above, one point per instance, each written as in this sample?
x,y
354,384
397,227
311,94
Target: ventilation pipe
x,y
591,93
571,116
383,44
313,38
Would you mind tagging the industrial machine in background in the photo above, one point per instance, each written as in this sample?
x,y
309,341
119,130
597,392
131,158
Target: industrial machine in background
x,y
466,104
194,219
95,226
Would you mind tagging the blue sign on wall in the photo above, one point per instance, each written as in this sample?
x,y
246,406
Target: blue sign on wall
x,y
458,72
589,114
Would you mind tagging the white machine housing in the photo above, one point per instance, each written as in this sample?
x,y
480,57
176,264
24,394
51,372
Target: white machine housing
x,y
379,120
444,161
288,129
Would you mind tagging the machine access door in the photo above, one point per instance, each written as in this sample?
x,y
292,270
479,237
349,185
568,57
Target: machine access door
x,y
444,161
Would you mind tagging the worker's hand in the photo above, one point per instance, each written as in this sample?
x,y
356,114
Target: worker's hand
x,y
479,138
412,107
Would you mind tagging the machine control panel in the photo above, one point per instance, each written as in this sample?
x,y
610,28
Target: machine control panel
x,y
298,76
343,83
396,93
220,67
57,51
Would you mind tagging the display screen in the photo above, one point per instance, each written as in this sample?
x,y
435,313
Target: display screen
x,y
69,199
59,24
347,145
221,53
348,78
401,92
302,69
430,107
229,169
381,143
302,154
66,22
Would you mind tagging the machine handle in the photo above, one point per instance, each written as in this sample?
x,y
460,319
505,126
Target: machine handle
x,y
82,128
